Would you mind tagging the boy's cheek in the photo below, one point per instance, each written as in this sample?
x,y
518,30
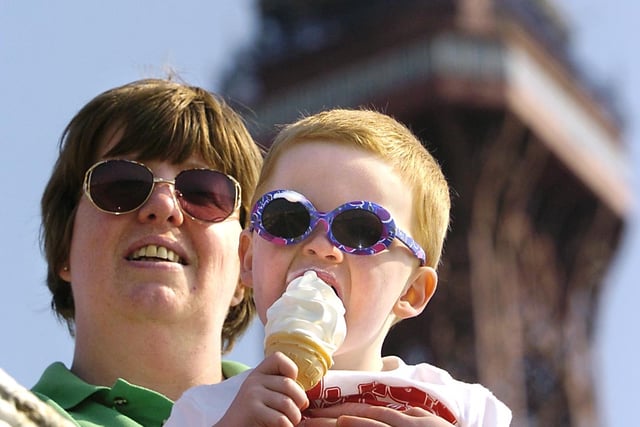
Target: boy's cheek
x,y
270,266
267,289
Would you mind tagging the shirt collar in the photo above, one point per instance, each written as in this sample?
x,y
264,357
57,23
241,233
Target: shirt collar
x,y
68,391
64,387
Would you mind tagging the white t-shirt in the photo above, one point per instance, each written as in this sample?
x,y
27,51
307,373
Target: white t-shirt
x,y
397,386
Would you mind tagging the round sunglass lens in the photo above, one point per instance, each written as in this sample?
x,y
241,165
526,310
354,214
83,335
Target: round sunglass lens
x,y
205,194
357,228
282,218
120,186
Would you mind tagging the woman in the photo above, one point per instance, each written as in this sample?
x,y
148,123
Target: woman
x,y
141,219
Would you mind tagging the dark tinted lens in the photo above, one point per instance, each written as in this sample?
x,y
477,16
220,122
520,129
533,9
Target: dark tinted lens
x,y
282,218
120,186
205,194
357,228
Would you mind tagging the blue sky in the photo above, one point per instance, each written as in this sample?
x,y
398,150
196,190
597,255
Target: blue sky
x,y
55,56
605,38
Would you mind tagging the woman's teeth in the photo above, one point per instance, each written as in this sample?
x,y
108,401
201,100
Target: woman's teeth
x,y
157,252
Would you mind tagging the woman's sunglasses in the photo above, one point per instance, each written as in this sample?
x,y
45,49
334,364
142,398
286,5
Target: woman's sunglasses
x,y
285,217
120,186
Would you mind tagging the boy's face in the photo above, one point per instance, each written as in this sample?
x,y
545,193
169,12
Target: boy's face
x,y
375,289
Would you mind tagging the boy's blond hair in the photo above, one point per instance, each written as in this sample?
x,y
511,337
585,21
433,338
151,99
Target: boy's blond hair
x,y
395,144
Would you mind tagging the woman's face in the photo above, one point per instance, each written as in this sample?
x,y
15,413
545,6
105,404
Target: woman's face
x,y
110,281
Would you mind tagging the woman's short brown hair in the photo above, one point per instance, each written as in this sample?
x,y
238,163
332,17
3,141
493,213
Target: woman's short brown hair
x,y
159,119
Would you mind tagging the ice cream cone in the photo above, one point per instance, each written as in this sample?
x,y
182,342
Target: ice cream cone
x,y
307,324
312,360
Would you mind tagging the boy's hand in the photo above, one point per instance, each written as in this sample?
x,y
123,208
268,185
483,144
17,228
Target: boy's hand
x,y
269,396
365,415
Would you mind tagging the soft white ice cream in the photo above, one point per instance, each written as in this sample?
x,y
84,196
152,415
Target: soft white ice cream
x,y
309,307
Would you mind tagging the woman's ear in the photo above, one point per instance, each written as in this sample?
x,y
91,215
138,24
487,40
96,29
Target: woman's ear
x,y
419,289
65,272
245,251
238,295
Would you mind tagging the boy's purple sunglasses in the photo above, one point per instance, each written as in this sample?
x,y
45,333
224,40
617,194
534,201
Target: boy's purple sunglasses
x,y
285,217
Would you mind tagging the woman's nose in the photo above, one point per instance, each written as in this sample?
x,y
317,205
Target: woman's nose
x,y
162,205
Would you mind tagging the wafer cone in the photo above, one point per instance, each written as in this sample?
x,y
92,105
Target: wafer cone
x,y
312,360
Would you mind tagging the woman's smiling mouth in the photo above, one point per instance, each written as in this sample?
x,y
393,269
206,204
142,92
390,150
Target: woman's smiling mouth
x,y
155,253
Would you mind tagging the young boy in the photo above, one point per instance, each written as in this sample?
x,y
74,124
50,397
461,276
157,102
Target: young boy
x,y
324,162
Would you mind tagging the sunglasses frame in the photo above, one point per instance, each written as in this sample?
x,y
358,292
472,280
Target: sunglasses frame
x,y
86,186
389,229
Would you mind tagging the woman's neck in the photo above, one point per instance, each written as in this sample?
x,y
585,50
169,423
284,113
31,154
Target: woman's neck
x,y
165,359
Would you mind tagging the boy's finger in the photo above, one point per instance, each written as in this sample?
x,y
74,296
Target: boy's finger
x,y
277,373
318,422
360,414
343,421
278,364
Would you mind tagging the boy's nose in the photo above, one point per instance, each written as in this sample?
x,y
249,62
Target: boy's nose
x,y
318,244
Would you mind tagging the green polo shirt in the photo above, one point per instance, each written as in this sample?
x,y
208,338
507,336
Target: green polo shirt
x,y
122,405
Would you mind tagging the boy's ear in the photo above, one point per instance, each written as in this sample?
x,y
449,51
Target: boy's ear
x,y
245,251
418,291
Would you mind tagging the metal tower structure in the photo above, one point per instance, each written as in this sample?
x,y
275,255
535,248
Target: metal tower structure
x,y
532,152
